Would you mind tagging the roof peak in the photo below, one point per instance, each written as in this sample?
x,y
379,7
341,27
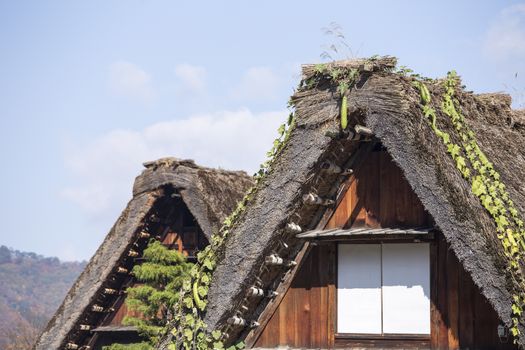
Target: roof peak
x,y
371,64
169,162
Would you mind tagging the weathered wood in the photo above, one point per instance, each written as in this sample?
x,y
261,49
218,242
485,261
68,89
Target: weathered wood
x,y
306,315
385,342
329,219
272,306
372,190
389,178
330,271
442,300
467,311
366,233
453,301
435,313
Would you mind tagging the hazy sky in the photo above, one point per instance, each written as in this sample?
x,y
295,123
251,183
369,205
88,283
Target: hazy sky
x,y
89,90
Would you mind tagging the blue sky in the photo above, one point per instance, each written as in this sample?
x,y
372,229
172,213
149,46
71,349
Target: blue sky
x,y
89,90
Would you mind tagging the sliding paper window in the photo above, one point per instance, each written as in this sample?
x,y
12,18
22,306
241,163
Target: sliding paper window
x,y
383,288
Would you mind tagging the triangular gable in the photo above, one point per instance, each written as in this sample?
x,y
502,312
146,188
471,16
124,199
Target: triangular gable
x,y
168,197
376,196
388,105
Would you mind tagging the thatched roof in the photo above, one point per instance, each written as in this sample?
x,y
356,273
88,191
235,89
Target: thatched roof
x,y
209,194
388,104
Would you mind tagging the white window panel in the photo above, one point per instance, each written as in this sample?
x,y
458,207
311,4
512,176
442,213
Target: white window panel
x,y
359,288
406,288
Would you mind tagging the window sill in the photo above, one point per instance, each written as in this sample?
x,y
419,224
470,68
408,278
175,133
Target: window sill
x,y
382,336
392,341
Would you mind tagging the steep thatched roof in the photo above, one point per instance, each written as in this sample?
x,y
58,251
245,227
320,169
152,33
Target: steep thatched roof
x,y
389,105
209,194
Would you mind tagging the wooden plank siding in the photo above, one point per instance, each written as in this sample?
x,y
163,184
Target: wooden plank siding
x,y
379,196
183,235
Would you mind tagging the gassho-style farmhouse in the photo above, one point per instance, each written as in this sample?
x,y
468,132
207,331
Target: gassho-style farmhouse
x,y
388,216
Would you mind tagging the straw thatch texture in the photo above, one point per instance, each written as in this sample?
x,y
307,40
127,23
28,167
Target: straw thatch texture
x,y
210,195
387,103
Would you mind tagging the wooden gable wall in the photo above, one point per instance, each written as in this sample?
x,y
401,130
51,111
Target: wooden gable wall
x,y
177,229
377,195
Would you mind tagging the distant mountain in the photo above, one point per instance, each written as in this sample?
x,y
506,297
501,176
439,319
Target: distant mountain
x,y
31,289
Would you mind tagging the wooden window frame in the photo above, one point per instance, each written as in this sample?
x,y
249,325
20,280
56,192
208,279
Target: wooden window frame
x,y
394,340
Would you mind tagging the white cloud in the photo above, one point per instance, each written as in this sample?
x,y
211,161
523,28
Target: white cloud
x,y
506,36
258,83
192,78
129,80
103,170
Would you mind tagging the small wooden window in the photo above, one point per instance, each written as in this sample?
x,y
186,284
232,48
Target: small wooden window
x,y
383,289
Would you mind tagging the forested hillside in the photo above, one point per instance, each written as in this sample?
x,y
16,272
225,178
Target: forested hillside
x,y
31,288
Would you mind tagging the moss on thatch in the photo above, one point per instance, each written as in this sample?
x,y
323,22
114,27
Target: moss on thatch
x,y
386,102
209,194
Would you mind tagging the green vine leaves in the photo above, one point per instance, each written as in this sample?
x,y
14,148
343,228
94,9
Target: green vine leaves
x,y
189,330
343,78
485,181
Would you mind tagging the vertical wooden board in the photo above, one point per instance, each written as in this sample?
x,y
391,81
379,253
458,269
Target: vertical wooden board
x,y
435,315
317,306
453,300
372,190
466,310
358,189
442,293
414,214
331,294
399,205
402,192
301,306
271,333
283,311
170,238
342,212
298,320
291,302
419,216
387,190
461,316
119,315
482,324
352,203
486,324
289,325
